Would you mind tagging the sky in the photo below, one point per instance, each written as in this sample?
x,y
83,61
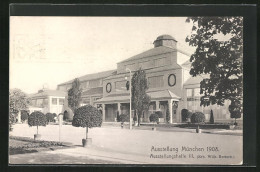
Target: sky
x,y
47,51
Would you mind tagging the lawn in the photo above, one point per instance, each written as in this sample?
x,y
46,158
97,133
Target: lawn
x,y
21,145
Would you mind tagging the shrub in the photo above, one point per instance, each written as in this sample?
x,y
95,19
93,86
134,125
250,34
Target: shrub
x,y
37,119
154,118
159,113
50,117
197,117
123,118
87,116
135,116
185,115
67,116
117,117
24,115
211,120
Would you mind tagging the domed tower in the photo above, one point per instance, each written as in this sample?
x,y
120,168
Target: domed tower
x,y
165,40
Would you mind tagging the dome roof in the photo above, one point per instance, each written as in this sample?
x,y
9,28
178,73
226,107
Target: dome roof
x,y
165,37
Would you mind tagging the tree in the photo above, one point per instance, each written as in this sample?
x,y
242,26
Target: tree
x,y
18,101
154,118
211,120
140,100
50,117
37,119
24,115
74,95
220,59
87,116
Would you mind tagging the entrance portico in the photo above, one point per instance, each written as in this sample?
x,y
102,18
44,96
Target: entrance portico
x,y
119,104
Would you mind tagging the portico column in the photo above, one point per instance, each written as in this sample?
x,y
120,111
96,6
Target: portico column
x,y
103,111
118,108
170,109
157,103
19,117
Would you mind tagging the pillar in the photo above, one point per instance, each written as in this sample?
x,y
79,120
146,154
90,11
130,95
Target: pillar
x,y
19,117
170,109
103,111
119,108
157,103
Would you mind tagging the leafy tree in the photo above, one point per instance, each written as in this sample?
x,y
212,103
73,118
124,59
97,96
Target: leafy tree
x,y
50,117
37,119
140,99
154,118
18,101
87,116
68,116
24,115
233,112
74,95
220,59
211,120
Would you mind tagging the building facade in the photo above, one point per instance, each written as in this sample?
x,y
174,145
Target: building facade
x,y
170,84
47,101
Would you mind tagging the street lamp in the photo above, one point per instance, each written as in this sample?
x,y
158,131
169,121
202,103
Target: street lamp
x,y
130,114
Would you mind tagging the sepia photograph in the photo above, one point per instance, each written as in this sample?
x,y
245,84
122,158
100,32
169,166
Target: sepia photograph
x,y
126,90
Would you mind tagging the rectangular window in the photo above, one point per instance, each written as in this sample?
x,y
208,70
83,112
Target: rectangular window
x,y
61,101
189,93
54,101
197,92
121,86
85,101
45,102
33,102
94,83
160,62
155,81
39,102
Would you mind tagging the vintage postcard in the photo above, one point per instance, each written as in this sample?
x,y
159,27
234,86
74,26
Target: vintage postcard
x,y
126,90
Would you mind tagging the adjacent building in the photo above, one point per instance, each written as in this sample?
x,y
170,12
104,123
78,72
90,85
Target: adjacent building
x,y
170,84
47,101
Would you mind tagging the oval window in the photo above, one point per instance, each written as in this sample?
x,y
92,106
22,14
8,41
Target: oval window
x,y
108,87
171,80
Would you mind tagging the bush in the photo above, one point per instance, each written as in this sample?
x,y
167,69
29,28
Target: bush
x,y
37,119
67,116
24,115
87,116
211,120
159,113
117,117
123,118
185,115
50,117
154,118
197,117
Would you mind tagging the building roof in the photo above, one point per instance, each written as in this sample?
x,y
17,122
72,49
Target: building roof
x,y
165,37
93,76
45,93
153,52
195,80
92,91
164,94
